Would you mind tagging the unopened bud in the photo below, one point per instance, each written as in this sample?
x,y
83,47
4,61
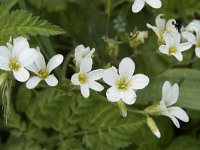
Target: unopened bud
x,y
138,38
153,127
3,78
113,49
122,108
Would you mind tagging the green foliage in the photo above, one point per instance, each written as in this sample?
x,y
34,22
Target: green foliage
x,y
21,22
60,118
6,6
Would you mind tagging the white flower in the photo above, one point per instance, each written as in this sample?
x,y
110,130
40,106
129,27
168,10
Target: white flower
x,y
16,57
194,39
124,84
163,27
173,46
169,97
43,71
193,26
81,52
139,4
86,78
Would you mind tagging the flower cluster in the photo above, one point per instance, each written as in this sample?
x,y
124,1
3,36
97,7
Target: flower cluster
x,y
17,57
169,37
123,83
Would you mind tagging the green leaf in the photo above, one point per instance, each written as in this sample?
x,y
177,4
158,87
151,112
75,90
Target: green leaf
x,y
22,23
184,142
21,144
93,120
188,80
6,6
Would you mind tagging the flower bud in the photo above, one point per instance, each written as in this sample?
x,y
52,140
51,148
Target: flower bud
x,y
112,49
138,38
3,78
153,127
154,109
122,108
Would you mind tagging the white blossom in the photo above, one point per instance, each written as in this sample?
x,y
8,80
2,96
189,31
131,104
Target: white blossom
x,y
15,57
124,84
169,97
193,38
173,46
81,52
139,4
86,78
43,71
163,27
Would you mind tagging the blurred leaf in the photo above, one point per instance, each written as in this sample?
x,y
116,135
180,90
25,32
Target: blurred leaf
x,y
184,142
6,6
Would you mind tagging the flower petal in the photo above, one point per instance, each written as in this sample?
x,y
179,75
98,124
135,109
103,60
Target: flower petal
x,y
85,90
40,61
160,23
33,82
19,44
197,51
129,97
138,5
51,80
86,65
112,94
139,81
54,62
168,39
174,95
178,113
32,67
5,52
21,75
75,80
190,37
27,57
96,74
96,86
170,27
4,63
126,68
166,92
164,49
110,76
184,46
175,121
178,56
154,3
156,30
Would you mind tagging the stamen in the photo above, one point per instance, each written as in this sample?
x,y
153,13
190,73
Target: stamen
x,y
83,78
14,64
42,74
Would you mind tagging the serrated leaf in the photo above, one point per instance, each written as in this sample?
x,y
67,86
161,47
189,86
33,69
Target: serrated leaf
x,y
22,23
6,6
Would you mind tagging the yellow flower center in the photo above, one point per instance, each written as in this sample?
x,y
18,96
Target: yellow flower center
x,y
42,74
14,64
122,84
83,78
172,50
